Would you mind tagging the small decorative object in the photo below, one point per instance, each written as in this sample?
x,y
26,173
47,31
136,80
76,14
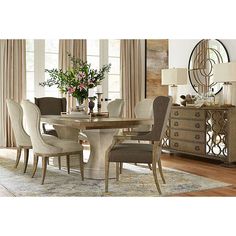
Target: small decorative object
x,y
77,80
188,99
91,104
99,104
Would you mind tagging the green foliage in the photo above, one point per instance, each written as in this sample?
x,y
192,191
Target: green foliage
x,y
77,79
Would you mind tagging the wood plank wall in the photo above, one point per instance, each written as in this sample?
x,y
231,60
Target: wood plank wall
x,y
156,59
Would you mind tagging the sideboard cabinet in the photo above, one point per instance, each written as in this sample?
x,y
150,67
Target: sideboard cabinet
x,y
209,132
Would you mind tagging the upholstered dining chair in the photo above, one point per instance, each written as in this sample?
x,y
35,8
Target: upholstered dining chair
x,y
50,106
51,148
22,138
115,108
120,152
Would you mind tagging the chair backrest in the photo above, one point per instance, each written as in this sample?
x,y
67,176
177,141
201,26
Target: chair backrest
x,y
161,112
115,108
144,109
16,115
32,114
51,105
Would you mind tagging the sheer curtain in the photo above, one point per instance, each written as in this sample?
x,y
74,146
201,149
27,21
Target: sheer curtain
x,y
78,49
132,61
12,83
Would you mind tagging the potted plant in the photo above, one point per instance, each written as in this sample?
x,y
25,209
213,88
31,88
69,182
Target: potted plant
x,y
77,79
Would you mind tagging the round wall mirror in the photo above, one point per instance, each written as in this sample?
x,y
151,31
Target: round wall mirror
x,y
200,67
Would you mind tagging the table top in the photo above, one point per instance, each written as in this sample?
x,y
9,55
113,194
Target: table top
x,y
95,122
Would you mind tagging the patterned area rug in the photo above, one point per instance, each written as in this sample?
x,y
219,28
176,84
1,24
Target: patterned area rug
x,y
135,181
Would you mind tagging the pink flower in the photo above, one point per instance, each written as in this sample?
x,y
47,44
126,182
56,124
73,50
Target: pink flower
x,y
81,87
81,75
70,90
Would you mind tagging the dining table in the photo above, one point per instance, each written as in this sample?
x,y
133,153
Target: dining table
x,y
99,131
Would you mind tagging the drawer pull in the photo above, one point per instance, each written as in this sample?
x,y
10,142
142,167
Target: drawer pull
x,y
197,136
176,123
197,114
197,148
176,134
176,144
176,113
197,125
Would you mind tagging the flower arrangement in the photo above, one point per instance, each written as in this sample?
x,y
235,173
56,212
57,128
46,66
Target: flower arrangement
x,y
78,79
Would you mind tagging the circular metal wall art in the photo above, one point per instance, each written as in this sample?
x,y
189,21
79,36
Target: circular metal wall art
x,y
200,68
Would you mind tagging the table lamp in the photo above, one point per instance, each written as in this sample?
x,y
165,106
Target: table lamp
x,y
174,77
225,73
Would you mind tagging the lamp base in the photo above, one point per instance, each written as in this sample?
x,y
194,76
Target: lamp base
x,y
227,94
173,93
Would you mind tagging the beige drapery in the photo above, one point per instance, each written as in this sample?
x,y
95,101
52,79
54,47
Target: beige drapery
x,y
78,49
12,83
132,73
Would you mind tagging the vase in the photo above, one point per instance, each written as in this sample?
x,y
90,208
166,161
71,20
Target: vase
x,y
91,104
80,104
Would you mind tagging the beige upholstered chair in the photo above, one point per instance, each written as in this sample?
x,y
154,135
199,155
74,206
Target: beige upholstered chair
x,y
22,138
143,109
50,148
115,108
50,106
138,152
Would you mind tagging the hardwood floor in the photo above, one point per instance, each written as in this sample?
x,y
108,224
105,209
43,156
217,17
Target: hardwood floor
x,y
212,170
192,165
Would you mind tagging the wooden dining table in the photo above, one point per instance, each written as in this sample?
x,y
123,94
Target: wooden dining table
x,y
100,133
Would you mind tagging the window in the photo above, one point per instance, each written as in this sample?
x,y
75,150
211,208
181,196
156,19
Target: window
x,y
40,55
114,83
100,52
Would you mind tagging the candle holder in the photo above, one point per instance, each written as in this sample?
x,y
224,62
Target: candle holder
x,y
91,104
99,104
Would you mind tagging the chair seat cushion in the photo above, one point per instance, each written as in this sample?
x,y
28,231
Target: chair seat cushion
x,y
66,146
131,153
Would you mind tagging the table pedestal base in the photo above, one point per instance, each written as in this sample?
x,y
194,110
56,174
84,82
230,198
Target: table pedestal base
x,y
100,140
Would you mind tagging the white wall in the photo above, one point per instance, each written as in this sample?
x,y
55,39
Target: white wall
x,y
179,53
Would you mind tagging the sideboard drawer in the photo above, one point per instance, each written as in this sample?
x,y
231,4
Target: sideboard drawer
x,y
187,124
193,136
187,146
188,113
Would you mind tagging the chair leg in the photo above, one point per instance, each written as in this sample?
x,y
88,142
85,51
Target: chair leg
x,y
36,158
106,175
44,168
59,163
117,170
160,170
68,163
154,171
150,167
26,158
18,154
121,167
81,165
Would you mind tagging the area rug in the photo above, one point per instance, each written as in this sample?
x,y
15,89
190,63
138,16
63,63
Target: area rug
x,y
135,181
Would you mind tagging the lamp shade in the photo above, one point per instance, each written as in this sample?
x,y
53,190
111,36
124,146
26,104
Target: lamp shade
x,y
175,76
225,72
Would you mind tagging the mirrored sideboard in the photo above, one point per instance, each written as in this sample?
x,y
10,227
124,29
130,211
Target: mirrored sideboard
x,y
208,132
